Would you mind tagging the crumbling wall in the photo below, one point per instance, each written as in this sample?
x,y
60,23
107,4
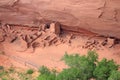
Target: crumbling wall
x,y
99,16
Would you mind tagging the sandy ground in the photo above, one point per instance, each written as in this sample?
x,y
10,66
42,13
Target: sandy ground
x,y
50,56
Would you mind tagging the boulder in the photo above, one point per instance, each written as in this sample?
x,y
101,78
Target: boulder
x,y
19,45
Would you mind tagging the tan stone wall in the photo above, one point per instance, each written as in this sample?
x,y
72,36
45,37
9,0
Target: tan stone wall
x,y
100,16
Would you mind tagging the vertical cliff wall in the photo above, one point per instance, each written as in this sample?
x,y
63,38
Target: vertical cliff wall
x,y
99,16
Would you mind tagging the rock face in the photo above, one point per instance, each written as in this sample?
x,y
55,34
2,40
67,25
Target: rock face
x,y
99,16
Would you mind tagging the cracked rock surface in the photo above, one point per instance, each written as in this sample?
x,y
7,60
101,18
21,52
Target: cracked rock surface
x,y
99,16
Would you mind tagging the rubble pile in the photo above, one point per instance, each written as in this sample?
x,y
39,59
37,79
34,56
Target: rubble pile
x,y
32,37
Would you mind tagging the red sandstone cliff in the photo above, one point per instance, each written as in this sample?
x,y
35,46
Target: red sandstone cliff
x,y
99,16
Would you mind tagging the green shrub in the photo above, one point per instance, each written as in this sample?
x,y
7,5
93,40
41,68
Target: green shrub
x,y
69,74
44,70
11,69
1,68
4,79
46,77
104,69
46,74
84,65
30,71
115,75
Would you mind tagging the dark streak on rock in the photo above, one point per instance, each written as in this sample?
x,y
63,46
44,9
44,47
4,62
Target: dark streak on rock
x,y
102,9
115,15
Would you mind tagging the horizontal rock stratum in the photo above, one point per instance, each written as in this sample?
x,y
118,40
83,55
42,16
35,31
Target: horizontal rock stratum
x,y
99,16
